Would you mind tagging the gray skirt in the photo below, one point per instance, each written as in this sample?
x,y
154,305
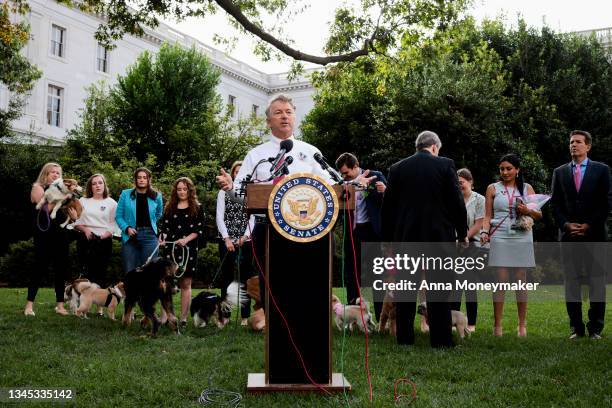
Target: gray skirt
x,y
511,249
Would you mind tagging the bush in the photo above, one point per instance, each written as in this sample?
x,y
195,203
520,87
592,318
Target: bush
x,y
18,263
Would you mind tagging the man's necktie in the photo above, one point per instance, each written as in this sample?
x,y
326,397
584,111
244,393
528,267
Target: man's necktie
x,y
277,179
577,177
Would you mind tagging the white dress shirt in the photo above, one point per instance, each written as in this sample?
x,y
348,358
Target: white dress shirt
x,y
303,162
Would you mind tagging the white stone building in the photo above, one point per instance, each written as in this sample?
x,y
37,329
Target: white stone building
x,y
65,50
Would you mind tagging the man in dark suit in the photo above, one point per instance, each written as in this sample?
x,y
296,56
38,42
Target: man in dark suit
x,y
581,194
423,203
365,220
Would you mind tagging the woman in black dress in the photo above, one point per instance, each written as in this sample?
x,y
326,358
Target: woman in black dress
x,y
181,226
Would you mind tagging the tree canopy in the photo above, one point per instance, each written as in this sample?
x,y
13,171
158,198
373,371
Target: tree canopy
x,y
486,90
364,27
16,72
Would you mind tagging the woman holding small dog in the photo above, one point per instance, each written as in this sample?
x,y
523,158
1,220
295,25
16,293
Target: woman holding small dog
x,y
50,241
511,243
233,233
181,226
138,211
97,226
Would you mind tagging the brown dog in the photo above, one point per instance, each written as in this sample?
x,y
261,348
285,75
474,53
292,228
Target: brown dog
x,y
257,321
109,298
74,290
387,315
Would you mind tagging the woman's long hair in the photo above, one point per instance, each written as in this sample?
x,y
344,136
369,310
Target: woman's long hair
x,y
151,193
514,160
192,198
41,180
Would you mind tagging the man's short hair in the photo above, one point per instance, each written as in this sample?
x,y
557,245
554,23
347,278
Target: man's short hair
x,y
587,136
427,139
279,97
347,159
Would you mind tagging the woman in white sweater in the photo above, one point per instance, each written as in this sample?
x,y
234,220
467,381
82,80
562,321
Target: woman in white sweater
x,y
97,225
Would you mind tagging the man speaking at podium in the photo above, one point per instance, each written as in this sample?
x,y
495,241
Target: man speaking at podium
x,y
264,162
269,162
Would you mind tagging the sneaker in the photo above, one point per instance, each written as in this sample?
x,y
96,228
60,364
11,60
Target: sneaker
x,y
595,336
244,322
575,335
183,324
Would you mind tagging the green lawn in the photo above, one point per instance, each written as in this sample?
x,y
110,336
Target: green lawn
x,y
108,365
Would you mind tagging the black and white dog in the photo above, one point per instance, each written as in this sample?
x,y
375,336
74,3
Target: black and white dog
x,y
208,307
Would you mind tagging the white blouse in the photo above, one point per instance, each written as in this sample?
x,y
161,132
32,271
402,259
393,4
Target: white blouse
x,y
98,215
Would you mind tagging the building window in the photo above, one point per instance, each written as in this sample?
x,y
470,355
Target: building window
x,y
58,41
102,59
231,105
255,110
55,99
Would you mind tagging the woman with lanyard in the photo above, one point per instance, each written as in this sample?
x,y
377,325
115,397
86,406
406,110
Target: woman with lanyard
x,y
50,241
233,233
511,247
181,226
138,211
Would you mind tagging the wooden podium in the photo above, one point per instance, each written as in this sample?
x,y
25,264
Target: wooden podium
x,y
299,277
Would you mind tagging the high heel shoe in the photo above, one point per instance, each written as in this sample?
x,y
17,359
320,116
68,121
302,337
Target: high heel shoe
x,y
61,311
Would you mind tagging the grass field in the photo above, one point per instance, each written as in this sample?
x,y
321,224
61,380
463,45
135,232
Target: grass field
x,y
108,365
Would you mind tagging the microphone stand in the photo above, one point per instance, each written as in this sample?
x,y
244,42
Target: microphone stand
x,y
248,179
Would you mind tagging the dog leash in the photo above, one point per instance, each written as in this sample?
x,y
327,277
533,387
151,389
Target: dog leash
x,y
397,398
46,211
182,266
152,254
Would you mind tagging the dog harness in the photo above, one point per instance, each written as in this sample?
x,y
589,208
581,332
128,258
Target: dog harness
x,y
109,298
339,309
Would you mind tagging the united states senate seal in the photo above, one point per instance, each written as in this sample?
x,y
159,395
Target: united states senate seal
x,y
303,207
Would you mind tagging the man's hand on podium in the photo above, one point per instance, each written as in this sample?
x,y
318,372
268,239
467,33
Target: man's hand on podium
x,y
224,180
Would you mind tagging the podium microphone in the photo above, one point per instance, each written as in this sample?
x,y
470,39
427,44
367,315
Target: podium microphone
x,y
283,168
285,147
334,174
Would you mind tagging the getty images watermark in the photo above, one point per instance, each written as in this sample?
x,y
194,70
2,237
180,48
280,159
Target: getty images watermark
x,y
542,269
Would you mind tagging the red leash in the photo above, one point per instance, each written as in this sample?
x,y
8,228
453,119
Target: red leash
x,y
398,397
367,361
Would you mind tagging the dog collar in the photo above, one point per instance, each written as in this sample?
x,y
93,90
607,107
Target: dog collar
x,y
339,309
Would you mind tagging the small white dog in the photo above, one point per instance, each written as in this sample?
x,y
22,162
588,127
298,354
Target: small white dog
x,y
349,316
